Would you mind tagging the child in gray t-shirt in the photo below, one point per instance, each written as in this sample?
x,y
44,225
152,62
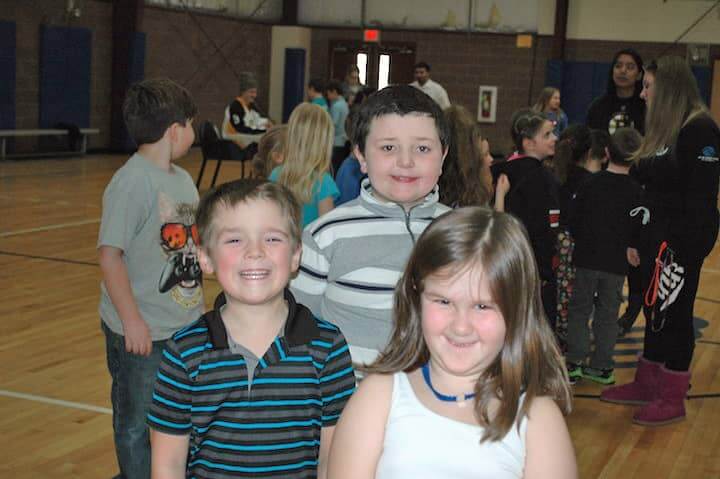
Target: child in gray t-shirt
x,y
151,283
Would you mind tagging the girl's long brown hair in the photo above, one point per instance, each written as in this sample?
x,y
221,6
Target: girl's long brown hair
x,y
463,181
676,101
529,361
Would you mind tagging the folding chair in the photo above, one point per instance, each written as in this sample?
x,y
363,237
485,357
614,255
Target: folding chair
x,y
215,148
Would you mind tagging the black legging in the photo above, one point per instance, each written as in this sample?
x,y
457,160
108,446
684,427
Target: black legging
x,y
674,344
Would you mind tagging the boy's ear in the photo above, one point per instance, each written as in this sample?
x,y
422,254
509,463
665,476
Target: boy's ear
x,y
445,152
206,264
295,260
172,132
361,159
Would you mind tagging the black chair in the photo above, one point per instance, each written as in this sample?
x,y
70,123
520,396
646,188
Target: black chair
x,y
216,148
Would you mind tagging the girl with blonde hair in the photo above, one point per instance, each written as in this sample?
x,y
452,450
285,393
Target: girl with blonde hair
x,y
306,166
472,383
548,103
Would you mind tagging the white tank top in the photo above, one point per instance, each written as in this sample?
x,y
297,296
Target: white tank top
x,y
420,443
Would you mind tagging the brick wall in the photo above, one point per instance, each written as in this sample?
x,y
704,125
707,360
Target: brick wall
x,y
29,16
461,62
177,48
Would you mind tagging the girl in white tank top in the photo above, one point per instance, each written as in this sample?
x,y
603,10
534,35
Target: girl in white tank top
x,y
472,384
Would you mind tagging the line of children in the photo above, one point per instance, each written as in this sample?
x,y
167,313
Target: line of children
x,y
472,383
147,246
353,256
255,386
306,161
601,224
270,378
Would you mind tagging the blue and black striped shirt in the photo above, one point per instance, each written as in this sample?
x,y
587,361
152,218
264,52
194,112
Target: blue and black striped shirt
x,y
300,385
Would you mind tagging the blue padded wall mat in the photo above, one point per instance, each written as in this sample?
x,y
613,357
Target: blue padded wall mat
x,y
65,57
294,80
7,75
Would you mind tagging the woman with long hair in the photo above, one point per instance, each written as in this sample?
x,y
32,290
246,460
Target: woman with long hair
x,y
306,166
678,165
621,105
466,179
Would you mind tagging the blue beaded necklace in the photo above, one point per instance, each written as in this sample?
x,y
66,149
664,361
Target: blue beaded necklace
x,y
443,397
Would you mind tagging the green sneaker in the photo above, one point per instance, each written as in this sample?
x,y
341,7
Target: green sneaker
x,y
575,372
602,376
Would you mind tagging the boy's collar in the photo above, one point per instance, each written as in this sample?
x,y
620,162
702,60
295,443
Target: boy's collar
x,y
367,189
300,327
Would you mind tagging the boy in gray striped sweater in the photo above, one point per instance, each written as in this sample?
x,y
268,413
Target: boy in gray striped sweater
x,y
354,255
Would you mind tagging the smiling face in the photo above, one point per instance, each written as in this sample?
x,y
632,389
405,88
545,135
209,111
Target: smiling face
x,y
403,157
462,326
542,144
252,253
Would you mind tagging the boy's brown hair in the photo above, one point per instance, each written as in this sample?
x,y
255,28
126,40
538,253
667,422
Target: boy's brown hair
x,y
152,106
228,195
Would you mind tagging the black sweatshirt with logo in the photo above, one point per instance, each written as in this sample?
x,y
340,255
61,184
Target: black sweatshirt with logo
x,y
681,187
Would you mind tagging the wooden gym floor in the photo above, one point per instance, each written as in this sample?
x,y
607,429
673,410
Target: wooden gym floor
x,y
54,386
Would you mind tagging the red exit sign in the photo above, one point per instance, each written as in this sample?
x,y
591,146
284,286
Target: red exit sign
x,y
371,36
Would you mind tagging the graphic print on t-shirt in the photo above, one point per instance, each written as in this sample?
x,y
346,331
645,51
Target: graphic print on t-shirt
x,y
179,239
620,119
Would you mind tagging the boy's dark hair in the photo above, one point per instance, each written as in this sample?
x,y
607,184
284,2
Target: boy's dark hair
x,y
317,84
152,106
421,65
398,100
623,144
525,123
230,194
334,85
599,140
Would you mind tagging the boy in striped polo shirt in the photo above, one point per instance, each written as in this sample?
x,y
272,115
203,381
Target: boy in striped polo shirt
x,y
255,386
354,255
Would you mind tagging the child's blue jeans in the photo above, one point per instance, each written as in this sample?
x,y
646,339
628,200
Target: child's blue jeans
x,y
133,378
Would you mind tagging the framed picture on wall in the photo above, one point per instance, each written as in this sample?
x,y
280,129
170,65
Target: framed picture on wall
x,y
487,104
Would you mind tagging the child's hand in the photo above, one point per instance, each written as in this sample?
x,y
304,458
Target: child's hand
x,y
503,185
633,257
137,337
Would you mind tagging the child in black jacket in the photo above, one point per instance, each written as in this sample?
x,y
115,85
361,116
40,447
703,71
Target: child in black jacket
x,y
529,191
603,220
